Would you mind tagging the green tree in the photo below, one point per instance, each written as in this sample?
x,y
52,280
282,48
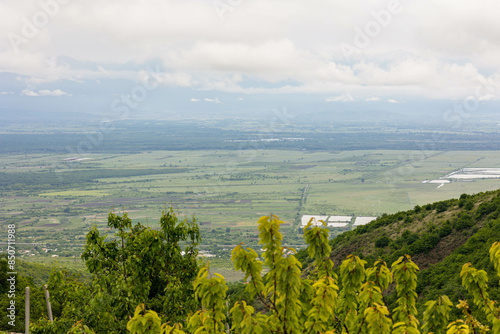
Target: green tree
x,y
136,265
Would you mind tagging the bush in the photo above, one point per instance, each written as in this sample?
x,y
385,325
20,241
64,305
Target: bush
x,y
445,230
468,205
409,237
463,222
441,206
486,208
425,244
382,242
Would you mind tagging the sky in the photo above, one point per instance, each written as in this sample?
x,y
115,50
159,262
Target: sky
x,y
205,55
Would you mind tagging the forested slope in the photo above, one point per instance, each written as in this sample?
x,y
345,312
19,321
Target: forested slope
x,y
440,237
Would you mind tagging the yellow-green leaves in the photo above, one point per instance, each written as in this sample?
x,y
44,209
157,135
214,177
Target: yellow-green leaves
x,y
323,305
212,293
458,327
471,321
270,238
379,274
315,305
246,261
288,305
245,323
495,256
476,282
146,322
352,271
436,315
377,319
318,248
316,239
405,275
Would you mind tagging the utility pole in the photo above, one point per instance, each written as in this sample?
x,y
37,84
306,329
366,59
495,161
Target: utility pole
x,y
27,310
49,307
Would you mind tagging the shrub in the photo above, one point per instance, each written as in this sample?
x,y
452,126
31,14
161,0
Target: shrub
x,y
425,244
409,237
464,221
382,242
441,206
445,230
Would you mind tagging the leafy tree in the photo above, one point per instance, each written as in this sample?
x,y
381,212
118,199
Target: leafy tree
x,y
138,265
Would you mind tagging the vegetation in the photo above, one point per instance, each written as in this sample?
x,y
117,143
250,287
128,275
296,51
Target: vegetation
x,y
54,203
316,304
57,184
136,136
136,265
283,294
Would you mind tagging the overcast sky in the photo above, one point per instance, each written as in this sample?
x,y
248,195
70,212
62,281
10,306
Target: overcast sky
x,y
346,51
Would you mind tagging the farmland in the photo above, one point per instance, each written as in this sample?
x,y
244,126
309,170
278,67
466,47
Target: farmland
x,y
226,191
57,182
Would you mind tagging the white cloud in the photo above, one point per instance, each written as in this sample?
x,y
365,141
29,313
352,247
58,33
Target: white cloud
x,y
421,52
487,97
44,92
342,98
373,99
28,92
194,100
392,101
6,93
215,100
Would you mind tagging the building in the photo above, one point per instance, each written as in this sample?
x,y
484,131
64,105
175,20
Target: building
x,y
363,220
315,220
339,221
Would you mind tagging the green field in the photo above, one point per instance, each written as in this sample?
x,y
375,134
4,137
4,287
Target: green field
x,y
226,191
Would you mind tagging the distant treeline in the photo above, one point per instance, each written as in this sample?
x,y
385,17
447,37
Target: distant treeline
x,y
137,137
36,180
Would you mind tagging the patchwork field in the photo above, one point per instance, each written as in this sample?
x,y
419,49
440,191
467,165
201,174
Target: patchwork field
x,y
54,202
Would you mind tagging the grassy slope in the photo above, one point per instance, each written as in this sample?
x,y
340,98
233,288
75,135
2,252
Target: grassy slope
x,y
440,237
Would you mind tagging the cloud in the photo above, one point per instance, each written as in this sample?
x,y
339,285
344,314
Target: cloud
x,y
6,93
194,100
392,101
342,98
420,52
44,92
487,97
373,99
215,100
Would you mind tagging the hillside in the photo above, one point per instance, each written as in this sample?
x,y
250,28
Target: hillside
x,y
440,237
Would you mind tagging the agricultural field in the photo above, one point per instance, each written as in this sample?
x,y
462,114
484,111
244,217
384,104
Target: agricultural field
x,y
54,202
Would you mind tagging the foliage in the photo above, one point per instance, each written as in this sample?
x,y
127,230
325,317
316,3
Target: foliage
x,y
296,304
139,265
358,296
37,308
149,322
382,242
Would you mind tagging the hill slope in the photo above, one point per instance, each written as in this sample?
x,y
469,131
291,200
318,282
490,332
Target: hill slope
x,y
440,237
